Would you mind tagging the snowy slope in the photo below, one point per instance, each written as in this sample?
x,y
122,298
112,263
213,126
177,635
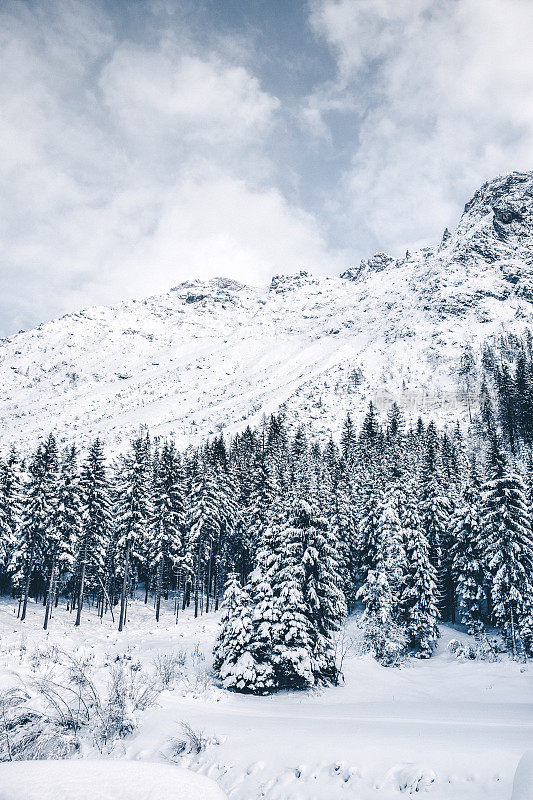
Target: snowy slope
x,y
216,355
454,727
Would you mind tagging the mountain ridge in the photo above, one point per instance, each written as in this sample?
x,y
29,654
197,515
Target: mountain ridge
x,y
215,355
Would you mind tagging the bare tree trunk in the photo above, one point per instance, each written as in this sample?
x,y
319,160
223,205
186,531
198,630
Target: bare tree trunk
x,y
197,577
51,590
158,584
82,586
123,596
215,585
178,599
209,570
27,583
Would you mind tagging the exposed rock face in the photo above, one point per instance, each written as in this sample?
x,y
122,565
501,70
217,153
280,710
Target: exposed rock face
x,y
216,355
378,263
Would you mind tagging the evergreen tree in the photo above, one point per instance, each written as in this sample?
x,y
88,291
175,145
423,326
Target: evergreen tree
x,y
204,521
64,530
133,510
167,523
293,636
508,548
323,595
234,661
94,535
468,556
420,595
38,511
348,440
383,588
10,506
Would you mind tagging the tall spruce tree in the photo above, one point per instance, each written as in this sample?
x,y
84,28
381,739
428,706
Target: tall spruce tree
x,y
204,520
383,588
508,548
39,502
467,554
64,531
10,506
420,593
94,535
167,523
234,661
133,510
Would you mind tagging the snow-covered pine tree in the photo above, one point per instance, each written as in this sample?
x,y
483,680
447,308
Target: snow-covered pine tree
x,y
228,520
234,661
420,594
94,535
336,498
467,554
167,523
383,588
383,637
348,440
10,506
265,613
261,491
324,598
508,548
367,533
435,510
64,531
293,641
205,504
39,502
133,510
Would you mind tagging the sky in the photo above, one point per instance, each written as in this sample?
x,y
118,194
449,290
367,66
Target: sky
x,y
148,142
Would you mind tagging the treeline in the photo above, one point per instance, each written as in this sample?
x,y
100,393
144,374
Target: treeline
x,y
407,522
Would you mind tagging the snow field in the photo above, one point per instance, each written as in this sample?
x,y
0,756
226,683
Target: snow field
x,y
102,780
453,728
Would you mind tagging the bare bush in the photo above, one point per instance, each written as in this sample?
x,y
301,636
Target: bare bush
x,y
168,667
189,742
48,718
44,729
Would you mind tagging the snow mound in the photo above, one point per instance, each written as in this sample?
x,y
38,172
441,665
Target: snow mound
x,y
102,780
523,779
410,778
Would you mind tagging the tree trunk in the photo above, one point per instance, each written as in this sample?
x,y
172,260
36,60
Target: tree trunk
x,y
158,584
209,570
197,577
27,583
215,585
51,591
124,592
82,585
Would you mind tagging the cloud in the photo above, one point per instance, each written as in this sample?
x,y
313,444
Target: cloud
x,y
171,91
141,148
441,98
130,164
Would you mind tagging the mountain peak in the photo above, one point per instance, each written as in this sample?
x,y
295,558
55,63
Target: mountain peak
x,y
515,188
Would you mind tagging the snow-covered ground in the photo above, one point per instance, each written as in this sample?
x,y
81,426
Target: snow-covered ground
x,y
102,780
454,728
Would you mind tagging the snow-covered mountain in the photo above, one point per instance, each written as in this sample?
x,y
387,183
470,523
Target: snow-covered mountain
x,y
216,355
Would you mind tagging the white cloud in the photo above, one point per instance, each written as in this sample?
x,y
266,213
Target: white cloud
x,y
202,98
129,167
443,95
